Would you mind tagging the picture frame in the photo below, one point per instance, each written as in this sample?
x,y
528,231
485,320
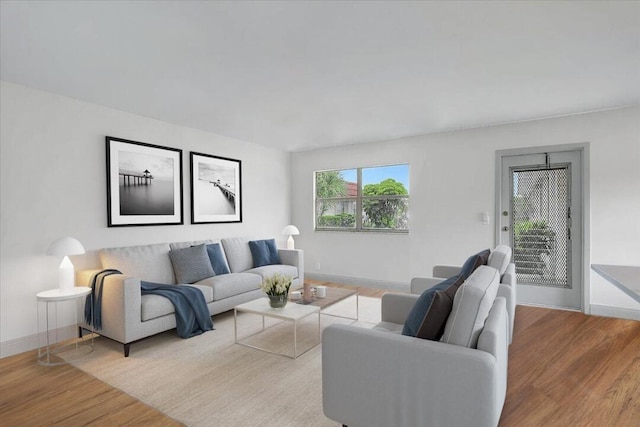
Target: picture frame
x,y
216,189
144,184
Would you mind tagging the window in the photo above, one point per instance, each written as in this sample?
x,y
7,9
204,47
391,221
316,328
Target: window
x,y
363,199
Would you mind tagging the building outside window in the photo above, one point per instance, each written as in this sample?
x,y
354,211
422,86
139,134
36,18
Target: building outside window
x,y
363,199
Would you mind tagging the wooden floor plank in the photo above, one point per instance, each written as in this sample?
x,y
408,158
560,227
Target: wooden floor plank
x,y
565,369
33,395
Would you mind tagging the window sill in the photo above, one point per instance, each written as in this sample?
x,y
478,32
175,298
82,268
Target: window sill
x,y
364,231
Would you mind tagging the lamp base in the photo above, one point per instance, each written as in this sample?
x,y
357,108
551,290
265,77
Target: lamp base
x,y
290,243
66,273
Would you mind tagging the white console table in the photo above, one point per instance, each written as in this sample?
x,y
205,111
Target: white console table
x,y
625,277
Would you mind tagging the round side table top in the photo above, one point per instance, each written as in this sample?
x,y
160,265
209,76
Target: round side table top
x,y
63,294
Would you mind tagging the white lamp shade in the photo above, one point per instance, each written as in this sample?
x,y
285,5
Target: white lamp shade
x,y
65,246
62,247
291,230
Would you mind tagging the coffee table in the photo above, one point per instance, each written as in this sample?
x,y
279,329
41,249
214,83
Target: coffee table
x,y
293,313
334,295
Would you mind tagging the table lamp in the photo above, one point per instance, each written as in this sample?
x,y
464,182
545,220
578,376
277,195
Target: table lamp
x,y
291,230
65,246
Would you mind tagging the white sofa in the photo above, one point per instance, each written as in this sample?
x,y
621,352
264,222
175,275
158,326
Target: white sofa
x,y
128,316
379,378
500,259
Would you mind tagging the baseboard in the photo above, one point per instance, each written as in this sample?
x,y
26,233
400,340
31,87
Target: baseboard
x,y
367,283
32,342
552,307
620,313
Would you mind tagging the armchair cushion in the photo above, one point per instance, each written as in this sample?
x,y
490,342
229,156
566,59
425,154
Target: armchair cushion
x,y
471,307
500,258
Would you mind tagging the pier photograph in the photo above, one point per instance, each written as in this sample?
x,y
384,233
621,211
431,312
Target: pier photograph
x,y
215,189
145,183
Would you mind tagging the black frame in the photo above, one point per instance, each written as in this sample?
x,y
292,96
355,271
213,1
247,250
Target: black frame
x,y
233,193
114,146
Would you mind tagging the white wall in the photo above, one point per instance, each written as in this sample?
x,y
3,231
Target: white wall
x,y
53,182
452,181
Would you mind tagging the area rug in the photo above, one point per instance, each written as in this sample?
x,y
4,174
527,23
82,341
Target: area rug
x,y
209,380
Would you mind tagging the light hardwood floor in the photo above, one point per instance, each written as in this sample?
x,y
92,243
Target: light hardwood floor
x,y
565,369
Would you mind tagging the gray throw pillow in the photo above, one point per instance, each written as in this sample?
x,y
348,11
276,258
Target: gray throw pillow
x,y
191,264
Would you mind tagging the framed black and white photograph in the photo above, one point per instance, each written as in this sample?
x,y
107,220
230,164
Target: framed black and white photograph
x,y
144,184
216,190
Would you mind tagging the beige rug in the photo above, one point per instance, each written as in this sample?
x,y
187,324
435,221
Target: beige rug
x,y
209,380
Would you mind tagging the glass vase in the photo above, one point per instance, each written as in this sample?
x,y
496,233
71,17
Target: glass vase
x,y
277,301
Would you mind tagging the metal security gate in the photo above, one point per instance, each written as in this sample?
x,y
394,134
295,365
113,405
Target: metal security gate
x,y
540,225
541,219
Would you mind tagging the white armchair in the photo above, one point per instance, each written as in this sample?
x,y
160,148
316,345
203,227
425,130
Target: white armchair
x,y
378,377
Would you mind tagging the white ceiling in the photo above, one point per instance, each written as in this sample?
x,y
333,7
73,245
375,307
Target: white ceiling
x,y
301,75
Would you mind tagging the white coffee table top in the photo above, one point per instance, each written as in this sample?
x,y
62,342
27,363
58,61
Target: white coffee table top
x,y
291,311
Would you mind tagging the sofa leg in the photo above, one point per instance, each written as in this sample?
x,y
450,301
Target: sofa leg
x,y
79,332
126,349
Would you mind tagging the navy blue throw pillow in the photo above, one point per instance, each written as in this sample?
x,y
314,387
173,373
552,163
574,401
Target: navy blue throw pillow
x,y
217,259
419,310
414,323
264,252
473,262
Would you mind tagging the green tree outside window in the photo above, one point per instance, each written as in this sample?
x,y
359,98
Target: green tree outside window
x,y
384,212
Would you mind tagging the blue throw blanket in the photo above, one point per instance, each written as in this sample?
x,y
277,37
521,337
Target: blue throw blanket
x,y
192,314
93,303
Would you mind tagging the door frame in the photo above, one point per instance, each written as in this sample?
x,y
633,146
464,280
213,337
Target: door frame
x,y
585,250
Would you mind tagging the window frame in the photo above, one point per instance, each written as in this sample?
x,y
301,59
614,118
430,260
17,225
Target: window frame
x,y
359,200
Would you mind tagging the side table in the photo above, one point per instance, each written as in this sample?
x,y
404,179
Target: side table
x,y
55,296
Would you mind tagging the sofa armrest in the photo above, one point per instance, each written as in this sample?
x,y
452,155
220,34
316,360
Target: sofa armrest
x,y
121,308
495,340
421,284
509,277
375,378
396,307
294,257
446,271
440,273
507,290
83,277
504,291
